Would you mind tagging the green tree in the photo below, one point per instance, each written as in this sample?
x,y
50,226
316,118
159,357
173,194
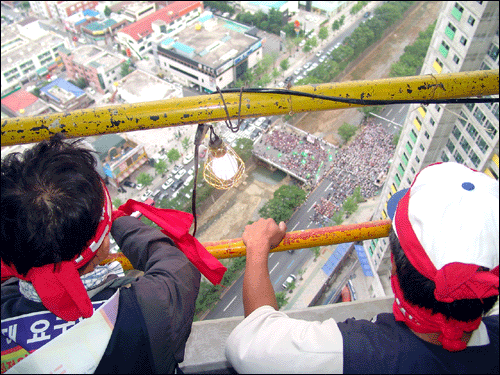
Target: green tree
x,y
323,33
107,11
346,131
36,91
292,286
125,69
244,148
173,155
284,65
316,251
357,194
81,83
283,203
275,73
338,217
282,299
185,143
314,42
161,167
336,25
117,202
301,273
350,205
145,179
307,47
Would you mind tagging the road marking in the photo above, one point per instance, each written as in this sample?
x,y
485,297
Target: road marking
x,y
290,264
230,303
295,226
388,113
270,255
312,205
331,183
400,109
274,267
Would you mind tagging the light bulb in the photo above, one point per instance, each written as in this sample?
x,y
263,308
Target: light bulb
x,y
223,168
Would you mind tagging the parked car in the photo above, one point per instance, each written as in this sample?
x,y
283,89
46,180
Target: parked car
x,y
176,169
177,184
319,53
187,159
188,180
297,71
129,183
167,183
181,173
307,65
139,186
322,58
147,194
288,281
367,14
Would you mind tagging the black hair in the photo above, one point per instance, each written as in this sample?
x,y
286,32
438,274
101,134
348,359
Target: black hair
x,y
52,201
419,290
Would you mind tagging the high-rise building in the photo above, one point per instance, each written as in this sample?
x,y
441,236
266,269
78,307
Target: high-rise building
x,y
465,39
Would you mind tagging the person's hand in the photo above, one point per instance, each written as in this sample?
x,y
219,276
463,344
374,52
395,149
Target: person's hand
x,y
261,236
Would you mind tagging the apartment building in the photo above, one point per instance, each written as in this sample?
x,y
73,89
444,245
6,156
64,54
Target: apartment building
x,y
60,10
139,37
97,66
465,39
212,52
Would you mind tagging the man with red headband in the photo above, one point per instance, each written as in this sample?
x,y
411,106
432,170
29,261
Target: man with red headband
x,y
56,221
445,256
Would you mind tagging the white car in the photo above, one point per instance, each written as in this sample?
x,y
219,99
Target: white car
x,y
307,65
181,173
302,43
337,45
146,195
167,183
139,186
187,159
298,79
322,58
319,53
288,281
297,71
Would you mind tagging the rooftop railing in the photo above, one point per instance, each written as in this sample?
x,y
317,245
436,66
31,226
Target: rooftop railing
x,y
205,347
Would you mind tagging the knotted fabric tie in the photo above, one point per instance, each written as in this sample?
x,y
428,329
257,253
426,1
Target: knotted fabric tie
x,y
175,224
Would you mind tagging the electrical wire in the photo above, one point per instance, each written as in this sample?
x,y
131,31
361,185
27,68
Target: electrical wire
x,y
200,133
361,101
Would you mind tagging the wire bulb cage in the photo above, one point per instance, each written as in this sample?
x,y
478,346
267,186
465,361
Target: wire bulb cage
x,y
224,168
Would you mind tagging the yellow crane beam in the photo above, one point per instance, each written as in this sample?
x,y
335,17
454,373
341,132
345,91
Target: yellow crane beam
x,y
208,108
299,239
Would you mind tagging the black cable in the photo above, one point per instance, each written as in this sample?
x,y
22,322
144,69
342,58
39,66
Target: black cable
x,y
356,101
200,133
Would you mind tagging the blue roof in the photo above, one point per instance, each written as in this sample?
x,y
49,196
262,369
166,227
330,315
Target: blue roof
x,y
90,13
335,258
365,265
81,21
205,18
270,4
167,41
183,48
65,85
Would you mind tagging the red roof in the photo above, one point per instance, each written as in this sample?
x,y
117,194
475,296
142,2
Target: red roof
x,y
142,28
19,100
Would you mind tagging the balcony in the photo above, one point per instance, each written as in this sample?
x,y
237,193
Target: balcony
x,y
205,346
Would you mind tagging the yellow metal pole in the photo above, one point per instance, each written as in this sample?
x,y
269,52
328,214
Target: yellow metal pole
x,y
207,108
300,239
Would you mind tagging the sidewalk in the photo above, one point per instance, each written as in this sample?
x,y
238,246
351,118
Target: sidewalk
x,y
314,277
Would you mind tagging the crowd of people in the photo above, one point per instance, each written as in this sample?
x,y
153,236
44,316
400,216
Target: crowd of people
x,y
359,164
296,153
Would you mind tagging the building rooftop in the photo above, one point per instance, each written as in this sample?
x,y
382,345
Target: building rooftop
x,y
17,48
96,57
140,86
62,91
142,28
24,104
217,41
269,4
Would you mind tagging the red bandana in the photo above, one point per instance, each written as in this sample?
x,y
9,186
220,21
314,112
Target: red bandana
x,y
454,281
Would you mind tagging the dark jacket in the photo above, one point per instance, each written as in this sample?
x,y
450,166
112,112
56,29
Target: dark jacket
x,y
154,314
389,347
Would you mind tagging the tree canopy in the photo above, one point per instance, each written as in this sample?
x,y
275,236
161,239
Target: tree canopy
x,y
283,204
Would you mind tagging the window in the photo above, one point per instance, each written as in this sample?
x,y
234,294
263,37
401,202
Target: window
x,y
456,132
472,131
444,157
484,66
479,115
444,48
397,180
471,21
422,147
401,169
493,52
412,170
405,159
465,145
456,60
450,146
426,135
417,158
474,159
463,41
495,110
450,31
438,108
463,119
469,106
409,147
457,11
413,135
458,157
431,120
483,146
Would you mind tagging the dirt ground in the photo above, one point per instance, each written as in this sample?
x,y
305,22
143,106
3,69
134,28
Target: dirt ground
x,y
227,218
375,65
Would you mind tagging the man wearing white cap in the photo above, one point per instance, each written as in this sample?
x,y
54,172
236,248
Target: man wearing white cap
x,y
444,253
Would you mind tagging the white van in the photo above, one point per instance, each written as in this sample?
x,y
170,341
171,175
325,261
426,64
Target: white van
x,y
187,159
188,180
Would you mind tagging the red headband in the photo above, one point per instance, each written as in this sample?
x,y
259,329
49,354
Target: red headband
x,y
59,285
454,281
